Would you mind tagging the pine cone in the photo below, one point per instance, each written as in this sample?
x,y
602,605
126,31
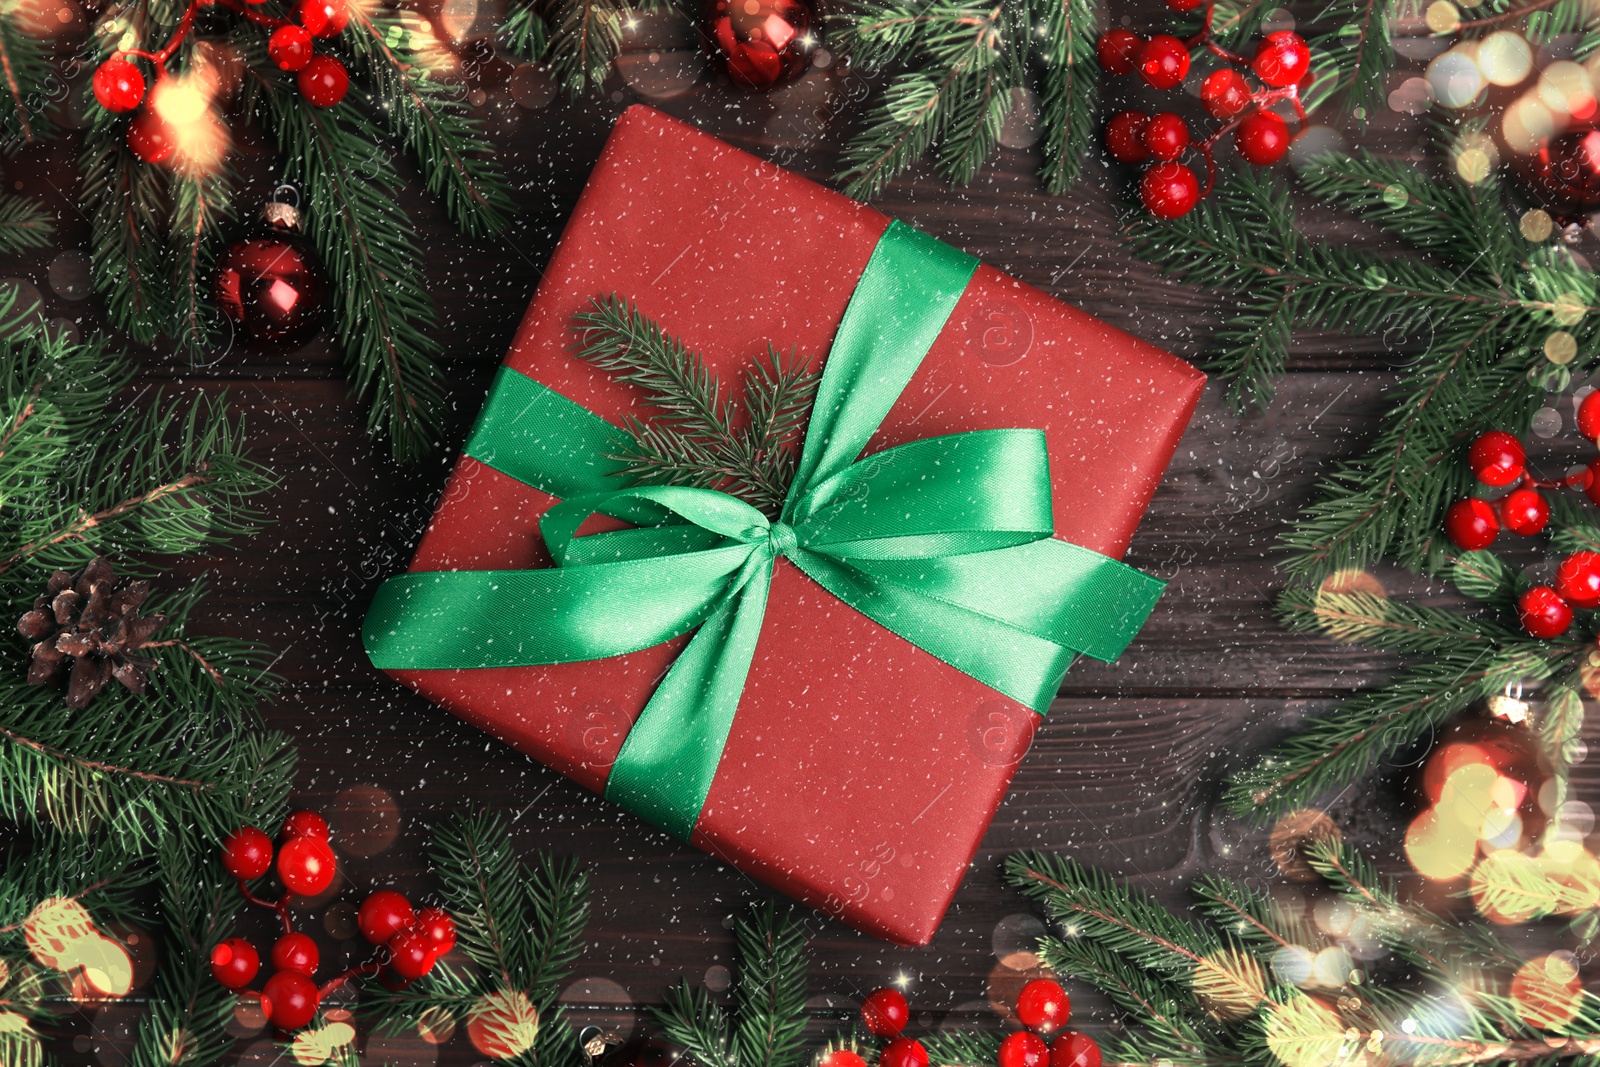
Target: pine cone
x,y
92,622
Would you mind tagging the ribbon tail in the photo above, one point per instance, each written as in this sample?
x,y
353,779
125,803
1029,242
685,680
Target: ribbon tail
x,y
664,772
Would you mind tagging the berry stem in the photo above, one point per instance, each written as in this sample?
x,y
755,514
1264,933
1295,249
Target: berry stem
x,y
279,906
1204,38
253,15
1579,480
364,970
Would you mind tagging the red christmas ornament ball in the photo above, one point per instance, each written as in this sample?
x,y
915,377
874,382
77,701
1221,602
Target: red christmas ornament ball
x,y
1125,136
304,824
903,1052
118,85
1471,524
1525,512
1262,138
1543,613
291,47
150,137
1578,579
306,865
439,927
1163,61
384,914
290,1000
411,953
885,1012
762,44
1074,1049
1496,458
1281,58
1166,135
234,963
324,18
296,952
1024,1049
1563,174
1118,51
247,853
324,81
1169,190
272,289
1224,93
1043,1005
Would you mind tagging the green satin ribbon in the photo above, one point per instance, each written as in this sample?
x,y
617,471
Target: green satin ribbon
x,y
946,542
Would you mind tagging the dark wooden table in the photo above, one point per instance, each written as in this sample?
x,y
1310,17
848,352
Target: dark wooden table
x,y
1124,774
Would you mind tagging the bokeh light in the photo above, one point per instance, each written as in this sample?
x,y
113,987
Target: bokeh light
x,y
1505,58
503,1024
1547,992
1454,77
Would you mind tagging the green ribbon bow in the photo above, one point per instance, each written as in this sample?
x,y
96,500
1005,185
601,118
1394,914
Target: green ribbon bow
x,y
946,542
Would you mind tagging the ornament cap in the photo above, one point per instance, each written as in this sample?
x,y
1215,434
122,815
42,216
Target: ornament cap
x,y
284,216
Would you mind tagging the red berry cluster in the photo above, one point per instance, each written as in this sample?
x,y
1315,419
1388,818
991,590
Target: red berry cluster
x,y
1042,1006
120,86
1170,189
1497,460
412,941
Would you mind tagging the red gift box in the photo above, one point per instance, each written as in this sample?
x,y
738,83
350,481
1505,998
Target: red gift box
x,y
861,772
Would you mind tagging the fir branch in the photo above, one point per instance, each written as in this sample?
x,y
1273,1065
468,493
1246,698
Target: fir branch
x,y
1068,105
585,37
27,78
123,198
202,208
691,1020
771,991
1357,47
23,224
524,32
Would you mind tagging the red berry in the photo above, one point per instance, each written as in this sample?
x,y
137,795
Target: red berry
x,y
1471,524
1497,458
324,81
306,865
1543,613
1074,1049
1125,136
1118,51
1166,135
1589,416
324,18
903,1052
1578,579
384,914
296,952
1591,488
439,927
290,47
1224,93
1183,5
150,137
118,85
1262,138
1043,1005
1163,61
1024,1049
842,1057
1281,59
411,953
886,1012
1169,190
1525,512
247,853
290,1000
234,963
304,824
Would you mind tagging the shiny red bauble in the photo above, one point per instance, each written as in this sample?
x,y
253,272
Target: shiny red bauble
x,y
885,1012
118,85
304,824
296,952
1543,613
1166,135
384,914
439,928
411,954
903,1052
1125,137
1563,174
234,963
1043,1005
1074,1049
1589,416
151,138
323,82
1525,512
1262,138
306,865
1024,1049
1281,58
291,47
1224,93
1471,524
290,1000
1163,61
324,18
761,44
1497,458
247,853
271,287
1578,579
1118,51
1169,190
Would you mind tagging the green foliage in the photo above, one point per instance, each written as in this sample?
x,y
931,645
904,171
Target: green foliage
x,y
26,81
202,210
23,225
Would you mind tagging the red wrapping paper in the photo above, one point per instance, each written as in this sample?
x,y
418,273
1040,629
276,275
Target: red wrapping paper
x,y
861,772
